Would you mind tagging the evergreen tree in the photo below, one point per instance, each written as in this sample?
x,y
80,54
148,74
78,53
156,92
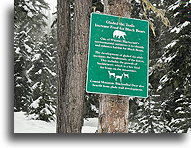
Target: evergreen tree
x,y
22,89
43,76
146,114
28,24
177,63
170,67
149,117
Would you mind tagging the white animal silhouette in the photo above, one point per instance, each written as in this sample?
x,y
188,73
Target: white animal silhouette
x,y
126,75
118,77
111,74
119,34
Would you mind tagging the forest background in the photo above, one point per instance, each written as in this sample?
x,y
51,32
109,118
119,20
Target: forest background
x,y
6,85
168,107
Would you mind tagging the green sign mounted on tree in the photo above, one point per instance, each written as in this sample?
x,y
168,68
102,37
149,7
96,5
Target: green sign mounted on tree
x,y
118,56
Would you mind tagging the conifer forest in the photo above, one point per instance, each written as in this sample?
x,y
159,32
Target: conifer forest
x,y
50,65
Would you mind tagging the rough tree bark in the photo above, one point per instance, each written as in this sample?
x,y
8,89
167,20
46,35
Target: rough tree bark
x,y
114,110
72,61
63,36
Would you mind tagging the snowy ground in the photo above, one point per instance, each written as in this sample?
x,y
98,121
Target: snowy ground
x,y
23,125
90,125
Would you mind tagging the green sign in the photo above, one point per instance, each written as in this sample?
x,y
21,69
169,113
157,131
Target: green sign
x,y
118,56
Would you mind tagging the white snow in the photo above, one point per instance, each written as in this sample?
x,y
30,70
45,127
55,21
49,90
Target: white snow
x,y
180,27
138,1
39,72
36,57
23,124
17,50
35,85
155,95
171,44
35,103
159,88
159,61
93,107
180,131
18,85
181,112
30,4
90,125
175,29
163,79
52,73
176,14
92,122
139,103
29,49
189,130
185,24
167,60
38,3
178,100
28,71
178,108
175,5
25,8
89,129
45,110
30,14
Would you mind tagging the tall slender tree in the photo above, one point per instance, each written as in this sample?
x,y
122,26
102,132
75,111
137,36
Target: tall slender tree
x,y
63,30
148,115
43,76
72,61
176,61
28,25
114,110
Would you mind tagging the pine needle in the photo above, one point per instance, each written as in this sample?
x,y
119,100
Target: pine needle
x,y
147,6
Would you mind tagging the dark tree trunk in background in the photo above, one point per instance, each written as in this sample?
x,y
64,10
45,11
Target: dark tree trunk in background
x,y
114,110
72,62
63,31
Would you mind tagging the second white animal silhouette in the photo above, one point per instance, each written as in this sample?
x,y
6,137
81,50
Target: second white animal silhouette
x,y
119,77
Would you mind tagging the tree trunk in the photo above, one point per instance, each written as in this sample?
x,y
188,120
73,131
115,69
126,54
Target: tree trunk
x,y
114,110
72,61
63,36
